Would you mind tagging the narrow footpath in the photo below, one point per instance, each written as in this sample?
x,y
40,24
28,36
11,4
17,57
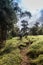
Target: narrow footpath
x,y
25,58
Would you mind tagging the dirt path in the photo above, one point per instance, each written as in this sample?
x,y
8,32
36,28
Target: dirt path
x,y
25,59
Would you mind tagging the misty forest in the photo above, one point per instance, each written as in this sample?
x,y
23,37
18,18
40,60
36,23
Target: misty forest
x,y
21,34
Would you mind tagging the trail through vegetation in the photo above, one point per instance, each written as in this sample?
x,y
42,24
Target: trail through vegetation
x,y
25,58
22,52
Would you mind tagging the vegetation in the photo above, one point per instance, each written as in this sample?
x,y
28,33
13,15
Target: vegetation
x,y
35,51
25,28
10,54
14,42
7,18
36,29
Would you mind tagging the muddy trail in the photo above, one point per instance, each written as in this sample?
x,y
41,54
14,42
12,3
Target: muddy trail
x,y
25,58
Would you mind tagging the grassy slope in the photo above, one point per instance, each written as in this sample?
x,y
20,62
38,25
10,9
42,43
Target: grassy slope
x,y
35,51
10,54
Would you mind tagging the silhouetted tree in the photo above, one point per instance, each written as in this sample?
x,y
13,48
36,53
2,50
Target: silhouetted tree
x,y
26,13
25,28
34,29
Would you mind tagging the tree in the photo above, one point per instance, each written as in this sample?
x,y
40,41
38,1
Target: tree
x,y
34,29
40,30
25,28
24,24
17,9
15,31
7,18
26,13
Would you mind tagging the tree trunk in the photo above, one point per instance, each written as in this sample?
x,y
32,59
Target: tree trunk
x,y
3,34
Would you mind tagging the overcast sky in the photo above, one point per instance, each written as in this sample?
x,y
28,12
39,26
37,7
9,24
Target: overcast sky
x,y
32,5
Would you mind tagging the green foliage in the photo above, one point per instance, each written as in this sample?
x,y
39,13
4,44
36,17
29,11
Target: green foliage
x,y
10,59
25,28
36,29
38,60
10,54
7,18
35,51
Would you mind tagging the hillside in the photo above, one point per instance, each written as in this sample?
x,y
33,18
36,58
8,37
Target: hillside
x,y
28,51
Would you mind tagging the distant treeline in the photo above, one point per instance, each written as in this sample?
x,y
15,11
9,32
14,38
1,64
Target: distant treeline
x,y
37,29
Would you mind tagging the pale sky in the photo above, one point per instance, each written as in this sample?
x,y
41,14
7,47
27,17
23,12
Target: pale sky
x,y
32,5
